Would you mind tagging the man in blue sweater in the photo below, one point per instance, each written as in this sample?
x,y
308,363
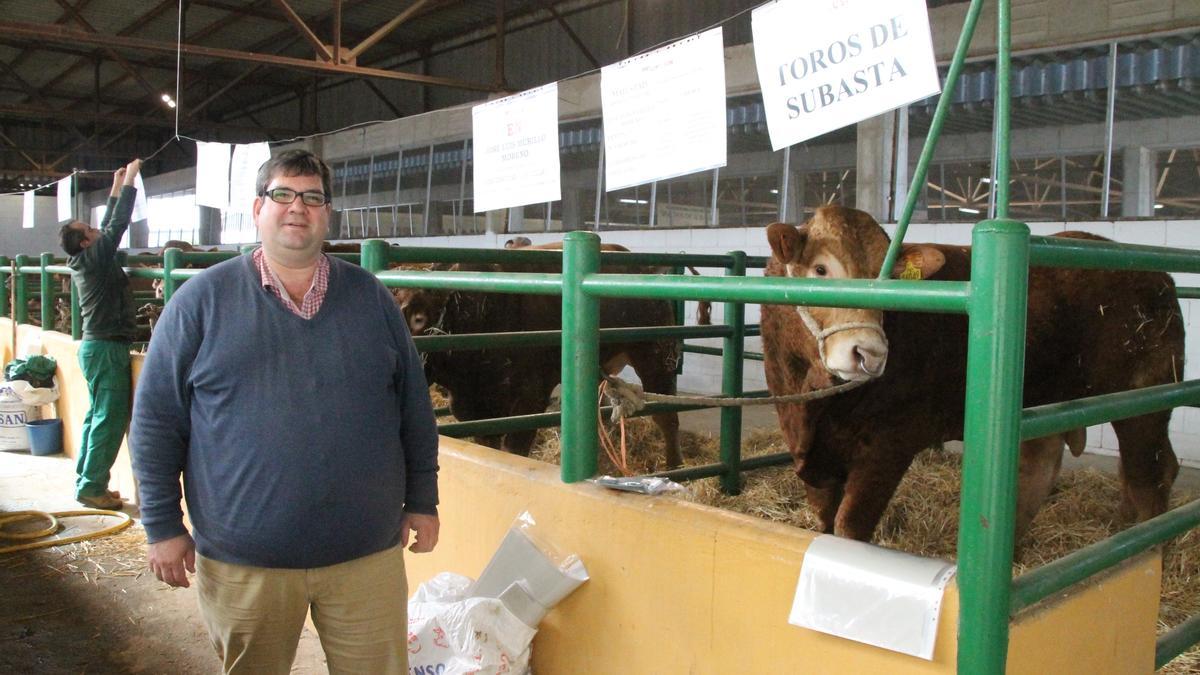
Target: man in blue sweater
x,y
106,306
285,388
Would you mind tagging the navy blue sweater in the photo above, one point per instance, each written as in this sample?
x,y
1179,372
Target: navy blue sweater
x,y
301,442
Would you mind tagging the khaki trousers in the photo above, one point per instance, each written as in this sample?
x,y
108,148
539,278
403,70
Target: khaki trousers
x,y
255,614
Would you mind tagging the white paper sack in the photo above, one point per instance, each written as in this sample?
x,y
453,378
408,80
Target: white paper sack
x,y
474,635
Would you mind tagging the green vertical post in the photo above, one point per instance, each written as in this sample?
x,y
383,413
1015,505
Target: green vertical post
x,y
732,361
76,312
1003,105
580,358
47,291
917,187
374,255
4,277
170,262
992,435
20,296
680,317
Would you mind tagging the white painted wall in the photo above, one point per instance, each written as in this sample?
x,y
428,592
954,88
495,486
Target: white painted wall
x,y
703,373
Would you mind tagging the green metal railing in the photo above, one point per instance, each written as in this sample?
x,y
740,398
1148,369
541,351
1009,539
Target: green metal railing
x,y
995,301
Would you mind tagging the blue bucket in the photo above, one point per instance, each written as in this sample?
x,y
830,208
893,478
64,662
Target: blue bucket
x,y
45,437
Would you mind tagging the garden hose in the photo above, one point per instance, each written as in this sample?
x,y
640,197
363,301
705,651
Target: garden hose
x,y
52,519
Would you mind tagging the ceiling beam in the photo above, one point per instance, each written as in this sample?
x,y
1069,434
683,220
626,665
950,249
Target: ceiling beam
x,y
40,113
35,94
305,31
26,52
59,34
125,65
570,32
284,99
131,28
4,137
385,29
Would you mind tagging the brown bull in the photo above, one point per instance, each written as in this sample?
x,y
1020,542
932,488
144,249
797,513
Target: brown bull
x,y
492,383
1089,333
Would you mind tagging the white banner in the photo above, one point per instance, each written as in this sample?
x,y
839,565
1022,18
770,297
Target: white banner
x,y
664,112
826,64
516,150
27,210
64,199
140,212
243,175
212,174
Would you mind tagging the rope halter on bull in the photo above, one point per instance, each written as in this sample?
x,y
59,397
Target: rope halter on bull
x,y
819,334
627,398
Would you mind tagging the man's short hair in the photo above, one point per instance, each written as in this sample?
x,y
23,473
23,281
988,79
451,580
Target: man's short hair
x,y
71,238
294,163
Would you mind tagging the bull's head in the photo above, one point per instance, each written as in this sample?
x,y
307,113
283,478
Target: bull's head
x,y
422,309
843,243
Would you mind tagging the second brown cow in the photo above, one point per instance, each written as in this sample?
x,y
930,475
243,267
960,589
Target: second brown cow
x,y
503,382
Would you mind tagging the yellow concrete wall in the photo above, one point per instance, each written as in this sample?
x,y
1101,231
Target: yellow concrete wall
x,y
1103,626
682,588
72,404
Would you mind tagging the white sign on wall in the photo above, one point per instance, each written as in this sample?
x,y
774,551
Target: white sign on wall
x,y
212,174
243,175
664,112
140,211
27,210
826,64
516,150
64,198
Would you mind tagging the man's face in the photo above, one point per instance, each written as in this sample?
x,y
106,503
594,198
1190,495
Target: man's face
x,y
90,234
292,233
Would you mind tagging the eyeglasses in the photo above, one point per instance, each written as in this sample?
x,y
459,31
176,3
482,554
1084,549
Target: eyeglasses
x,y
288,195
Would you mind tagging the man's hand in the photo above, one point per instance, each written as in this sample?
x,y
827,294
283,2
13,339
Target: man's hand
x,y
171,559
426,527
131,171
118,181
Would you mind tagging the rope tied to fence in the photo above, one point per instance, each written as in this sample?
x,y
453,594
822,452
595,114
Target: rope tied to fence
x,y
627,398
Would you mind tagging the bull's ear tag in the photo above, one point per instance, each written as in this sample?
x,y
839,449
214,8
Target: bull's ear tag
x,y
912,272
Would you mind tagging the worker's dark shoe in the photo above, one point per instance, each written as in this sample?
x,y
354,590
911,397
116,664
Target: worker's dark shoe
x,y
105,501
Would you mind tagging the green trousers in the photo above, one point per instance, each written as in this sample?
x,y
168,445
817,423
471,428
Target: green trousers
x,y
105,365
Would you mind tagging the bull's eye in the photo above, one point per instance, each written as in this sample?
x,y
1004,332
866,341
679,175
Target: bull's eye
x,y
821,270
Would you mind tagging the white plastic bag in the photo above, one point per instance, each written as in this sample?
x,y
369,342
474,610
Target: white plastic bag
x,y
451,635
31,395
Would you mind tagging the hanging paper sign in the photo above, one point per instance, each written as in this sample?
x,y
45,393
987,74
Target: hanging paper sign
x,y
212,174
664,112
243,175
140,211
27,210
828,64
64,199
516,150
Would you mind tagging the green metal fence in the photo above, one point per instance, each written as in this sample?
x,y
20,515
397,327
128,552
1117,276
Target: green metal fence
x,y
995,301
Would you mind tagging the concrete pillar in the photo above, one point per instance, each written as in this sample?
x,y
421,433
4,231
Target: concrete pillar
x,y
210,227
496,221
1137,193
139,234
516,219
874,165
572,209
